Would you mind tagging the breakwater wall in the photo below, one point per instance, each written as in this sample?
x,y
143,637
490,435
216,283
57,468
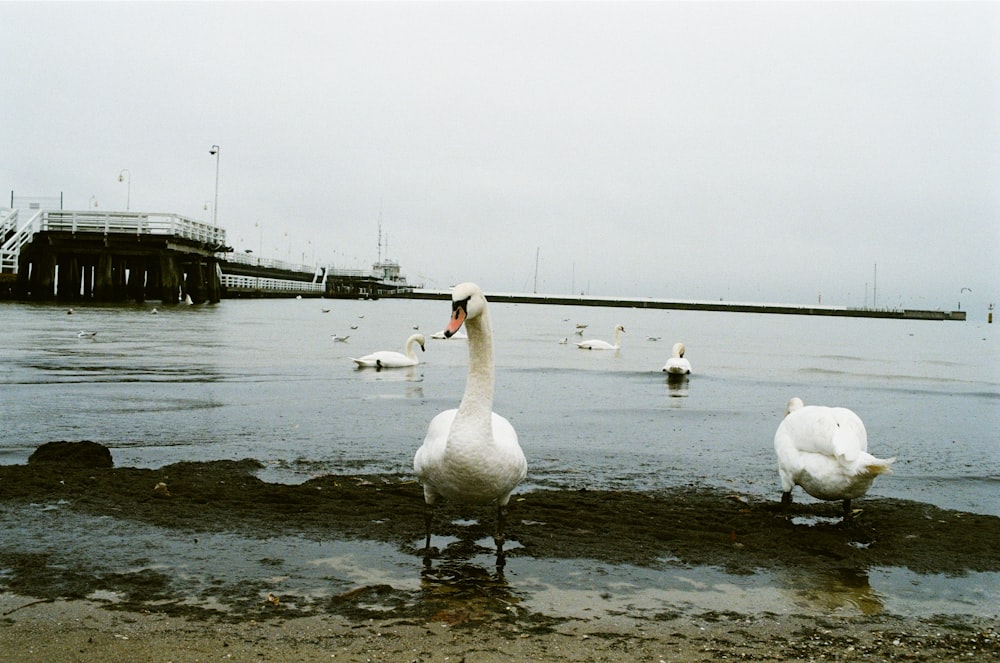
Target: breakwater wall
x,y
682,305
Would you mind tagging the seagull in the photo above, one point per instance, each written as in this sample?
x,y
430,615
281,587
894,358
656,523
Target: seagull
x,y
86,334
340,339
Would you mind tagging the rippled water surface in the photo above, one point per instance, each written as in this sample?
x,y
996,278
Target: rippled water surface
x,y
264,379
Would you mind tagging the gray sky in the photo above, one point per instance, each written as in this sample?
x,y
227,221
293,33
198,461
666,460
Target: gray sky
x,y
747,151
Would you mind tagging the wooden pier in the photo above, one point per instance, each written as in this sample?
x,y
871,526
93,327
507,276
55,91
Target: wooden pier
x,y
67,256
113,256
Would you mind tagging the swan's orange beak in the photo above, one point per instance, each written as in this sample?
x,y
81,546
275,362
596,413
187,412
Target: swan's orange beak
x,y
457,318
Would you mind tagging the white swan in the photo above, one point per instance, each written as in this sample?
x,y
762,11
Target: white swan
x,y
825,450
677,364
595,344
389,359
471,454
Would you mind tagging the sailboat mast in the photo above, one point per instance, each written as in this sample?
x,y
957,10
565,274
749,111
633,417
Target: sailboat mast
x,y
536,270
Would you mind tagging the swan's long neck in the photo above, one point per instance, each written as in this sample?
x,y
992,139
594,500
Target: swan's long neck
x,y
408,350
478,397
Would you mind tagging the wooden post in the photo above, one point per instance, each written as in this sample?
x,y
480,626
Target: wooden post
x,y
44,276
196,281
214,281
103,283
68,288
170,279
137,279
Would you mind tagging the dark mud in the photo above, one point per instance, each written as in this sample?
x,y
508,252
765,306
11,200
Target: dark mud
x,y
685,526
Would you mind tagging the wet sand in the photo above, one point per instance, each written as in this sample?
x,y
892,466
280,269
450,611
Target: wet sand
x,y
463,613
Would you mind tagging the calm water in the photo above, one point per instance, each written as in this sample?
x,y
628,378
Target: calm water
x,y
264,379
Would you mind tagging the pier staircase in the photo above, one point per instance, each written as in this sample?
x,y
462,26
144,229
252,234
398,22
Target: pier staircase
x,y
14,234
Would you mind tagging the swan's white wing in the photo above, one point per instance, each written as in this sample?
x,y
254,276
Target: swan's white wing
x,y
595,344
431,452
385,359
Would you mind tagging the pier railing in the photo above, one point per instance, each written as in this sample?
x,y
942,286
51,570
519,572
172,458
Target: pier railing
x,y
139,223
261,284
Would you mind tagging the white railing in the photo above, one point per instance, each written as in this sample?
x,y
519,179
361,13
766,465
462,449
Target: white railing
x,y
139,223
239,282
19,236
269,263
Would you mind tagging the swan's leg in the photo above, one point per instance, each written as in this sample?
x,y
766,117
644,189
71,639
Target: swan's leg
x,y
428,517
847,510
786,499
498,538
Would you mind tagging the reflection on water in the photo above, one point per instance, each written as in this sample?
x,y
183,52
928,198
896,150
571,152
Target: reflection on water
x,y
677,385
837,589
460,592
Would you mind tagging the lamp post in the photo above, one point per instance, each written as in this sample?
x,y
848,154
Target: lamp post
x,y
128,191
215,207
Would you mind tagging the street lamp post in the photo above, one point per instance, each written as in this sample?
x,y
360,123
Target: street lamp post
x,y
128,191
215,207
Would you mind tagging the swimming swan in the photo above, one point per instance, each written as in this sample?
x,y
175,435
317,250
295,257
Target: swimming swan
x,y
389,359
603,345
825,450
471,454
677,364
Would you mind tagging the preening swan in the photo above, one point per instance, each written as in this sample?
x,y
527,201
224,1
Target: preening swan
x,y
825,450
471,454
389,359
603,345
677,364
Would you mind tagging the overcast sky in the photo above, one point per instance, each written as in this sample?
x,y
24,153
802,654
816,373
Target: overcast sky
x,y
754,152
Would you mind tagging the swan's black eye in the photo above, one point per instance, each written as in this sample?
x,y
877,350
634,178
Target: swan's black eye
x,y
463,305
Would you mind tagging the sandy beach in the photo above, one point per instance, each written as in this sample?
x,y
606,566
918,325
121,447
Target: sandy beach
x,y
57,612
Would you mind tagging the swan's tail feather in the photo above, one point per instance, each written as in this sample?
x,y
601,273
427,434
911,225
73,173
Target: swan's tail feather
x,y
876,466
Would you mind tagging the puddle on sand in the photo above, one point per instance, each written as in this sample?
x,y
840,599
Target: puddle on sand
x,y
121,561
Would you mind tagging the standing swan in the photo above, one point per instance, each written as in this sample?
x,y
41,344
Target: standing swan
x,y
677,364
603,345
471,455
825,450
388,359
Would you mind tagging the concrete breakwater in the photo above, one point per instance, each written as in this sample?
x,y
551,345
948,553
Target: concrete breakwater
x,y
683,305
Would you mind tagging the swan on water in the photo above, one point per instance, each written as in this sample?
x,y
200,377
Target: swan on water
x,y
390,359
596,344
677,364
825,450
471,454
